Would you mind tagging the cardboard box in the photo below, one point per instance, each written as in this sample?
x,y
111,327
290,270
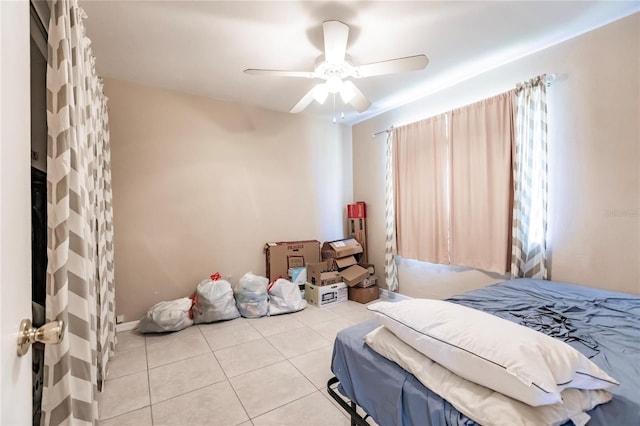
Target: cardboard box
x,y
295,262
319,274
369,267
314,271
354,275
357,210
368,282
364,295
345,262
340,248
358,230
283,255
330,277
327,295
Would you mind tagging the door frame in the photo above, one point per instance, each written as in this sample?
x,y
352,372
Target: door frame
x,y
15,210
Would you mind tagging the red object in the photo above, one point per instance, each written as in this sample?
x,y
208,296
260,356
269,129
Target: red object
x,y
194,304
215,277
357,210
272,283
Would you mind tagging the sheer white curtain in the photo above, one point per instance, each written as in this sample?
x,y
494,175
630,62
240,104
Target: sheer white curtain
x,y
80,287
530,174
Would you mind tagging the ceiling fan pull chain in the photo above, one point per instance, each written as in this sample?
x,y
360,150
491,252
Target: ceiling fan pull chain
x,y
334,108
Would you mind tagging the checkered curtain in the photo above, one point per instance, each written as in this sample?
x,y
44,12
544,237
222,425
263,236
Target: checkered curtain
x,y
80,286
390,268
530,173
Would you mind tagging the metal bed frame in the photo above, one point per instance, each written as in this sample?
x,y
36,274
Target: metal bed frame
x,y
356,419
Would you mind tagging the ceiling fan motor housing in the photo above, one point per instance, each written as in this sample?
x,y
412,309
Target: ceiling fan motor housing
x,y
335,66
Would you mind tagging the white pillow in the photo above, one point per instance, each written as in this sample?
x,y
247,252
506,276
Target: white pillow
x,y
504,356
483,405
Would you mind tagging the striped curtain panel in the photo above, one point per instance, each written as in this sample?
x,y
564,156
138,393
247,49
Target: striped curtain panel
x,y
530,174
80,285
390,268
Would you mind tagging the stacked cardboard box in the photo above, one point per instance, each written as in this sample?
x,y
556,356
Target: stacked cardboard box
x,y
321,274
324,287
343,256
325,295
366,290
289,254
364,294
357,226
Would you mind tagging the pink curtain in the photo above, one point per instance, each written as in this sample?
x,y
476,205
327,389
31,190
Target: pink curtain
x,y
420,182
481,182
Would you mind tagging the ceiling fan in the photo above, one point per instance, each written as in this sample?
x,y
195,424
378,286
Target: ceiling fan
x,y
335,67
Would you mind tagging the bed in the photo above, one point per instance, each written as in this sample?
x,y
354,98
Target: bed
x,y
603,325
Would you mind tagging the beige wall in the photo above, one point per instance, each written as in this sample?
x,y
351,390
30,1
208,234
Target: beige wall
x,y
200,185
594,134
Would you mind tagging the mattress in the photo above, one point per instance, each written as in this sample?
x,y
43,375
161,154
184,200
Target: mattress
x,y
603,325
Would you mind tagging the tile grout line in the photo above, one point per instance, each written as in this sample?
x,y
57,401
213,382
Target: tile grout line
x,y
189,391
285,359
301,372
303,353
227,378
286,403
148,381
148,390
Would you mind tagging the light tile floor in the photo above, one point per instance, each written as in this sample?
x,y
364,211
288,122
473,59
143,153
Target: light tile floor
x,y
265,371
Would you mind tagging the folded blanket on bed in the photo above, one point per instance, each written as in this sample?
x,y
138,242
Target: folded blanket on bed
x,y
479,403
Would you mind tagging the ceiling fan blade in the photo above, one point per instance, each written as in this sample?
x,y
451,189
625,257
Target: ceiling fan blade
x,y
392,66
358,101
306,100
280,73
336,35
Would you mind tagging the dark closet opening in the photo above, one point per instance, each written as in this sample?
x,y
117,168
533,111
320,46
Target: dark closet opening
x,y
38,72
38,235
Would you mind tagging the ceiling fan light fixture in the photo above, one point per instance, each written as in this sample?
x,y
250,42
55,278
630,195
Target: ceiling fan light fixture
x,y
334,84
337,70
320,93
347,93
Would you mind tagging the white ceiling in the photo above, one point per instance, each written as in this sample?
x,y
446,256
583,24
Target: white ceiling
x,y
202,47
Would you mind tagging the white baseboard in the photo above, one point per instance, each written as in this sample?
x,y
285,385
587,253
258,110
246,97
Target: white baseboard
x,y
386,294
127,326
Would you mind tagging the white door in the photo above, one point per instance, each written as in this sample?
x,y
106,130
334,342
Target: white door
x,y
15,210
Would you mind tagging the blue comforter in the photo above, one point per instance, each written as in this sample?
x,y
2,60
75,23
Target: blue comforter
x,y
603,325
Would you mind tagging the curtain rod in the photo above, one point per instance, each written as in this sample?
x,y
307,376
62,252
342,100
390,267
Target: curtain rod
x,y
549,78
390,129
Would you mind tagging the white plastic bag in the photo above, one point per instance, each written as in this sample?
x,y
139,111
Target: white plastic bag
x,y
251,296
214,301
284,297
167,316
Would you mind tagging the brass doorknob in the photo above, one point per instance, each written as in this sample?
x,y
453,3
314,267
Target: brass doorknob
x,y
50,333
